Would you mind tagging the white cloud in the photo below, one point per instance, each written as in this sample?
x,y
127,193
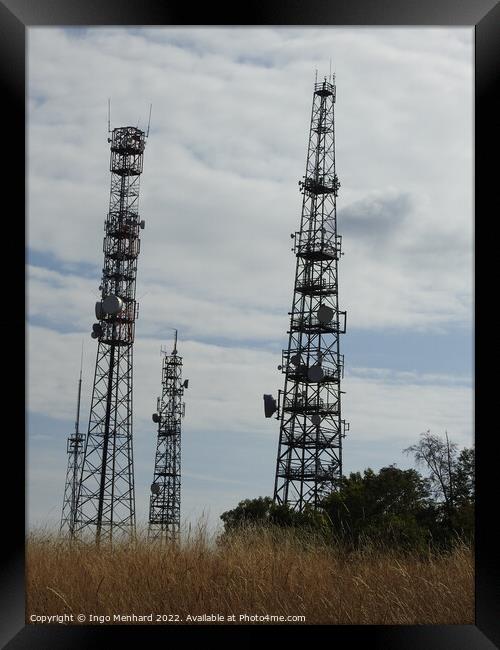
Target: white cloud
x,y
384,405
228,144
65,301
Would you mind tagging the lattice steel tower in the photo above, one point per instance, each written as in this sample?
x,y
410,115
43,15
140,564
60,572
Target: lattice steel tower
x,y
106,498
309,461
165,499
74,449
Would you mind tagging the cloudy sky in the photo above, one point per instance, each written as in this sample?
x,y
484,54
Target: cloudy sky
x,y
219,195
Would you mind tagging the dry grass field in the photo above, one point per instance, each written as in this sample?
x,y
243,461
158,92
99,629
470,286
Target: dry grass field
x,y
255,573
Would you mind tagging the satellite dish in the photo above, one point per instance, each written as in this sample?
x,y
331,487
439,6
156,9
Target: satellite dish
x,y
156,417
316,419
93,335
112,305
315,373
155,488
280,367
295,359
325,314
186,383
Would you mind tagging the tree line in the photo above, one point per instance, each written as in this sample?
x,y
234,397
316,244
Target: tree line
x,y
397,508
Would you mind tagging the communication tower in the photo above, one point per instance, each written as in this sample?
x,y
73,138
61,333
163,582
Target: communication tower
x,y
106,498
165,499
309,461
74,449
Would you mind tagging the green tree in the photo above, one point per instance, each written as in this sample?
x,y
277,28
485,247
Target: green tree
x,y
247,511
263,511
463,476
438,457
451,476
388,507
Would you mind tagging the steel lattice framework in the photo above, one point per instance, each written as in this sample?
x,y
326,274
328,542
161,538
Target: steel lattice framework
x,y
165,499
74,449
309,461
106,498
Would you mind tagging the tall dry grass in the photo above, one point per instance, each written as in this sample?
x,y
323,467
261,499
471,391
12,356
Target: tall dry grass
x,y
255,572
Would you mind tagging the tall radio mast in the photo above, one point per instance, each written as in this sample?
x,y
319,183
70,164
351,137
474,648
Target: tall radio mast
x,y
165,499
106,497
74,449
309,461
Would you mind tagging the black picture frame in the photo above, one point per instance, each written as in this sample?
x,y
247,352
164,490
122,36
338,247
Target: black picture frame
x,y
16,16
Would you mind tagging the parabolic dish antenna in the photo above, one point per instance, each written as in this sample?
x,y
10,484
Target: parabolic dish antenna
x,y
316,419
315,373
295,359
325,314
156,417
155,488
112,305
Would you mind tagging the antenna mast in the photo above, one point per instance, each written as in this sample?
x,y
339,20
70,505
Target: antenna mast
x,y
309,461
165,499
74,449
77,423
106,498
149,120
